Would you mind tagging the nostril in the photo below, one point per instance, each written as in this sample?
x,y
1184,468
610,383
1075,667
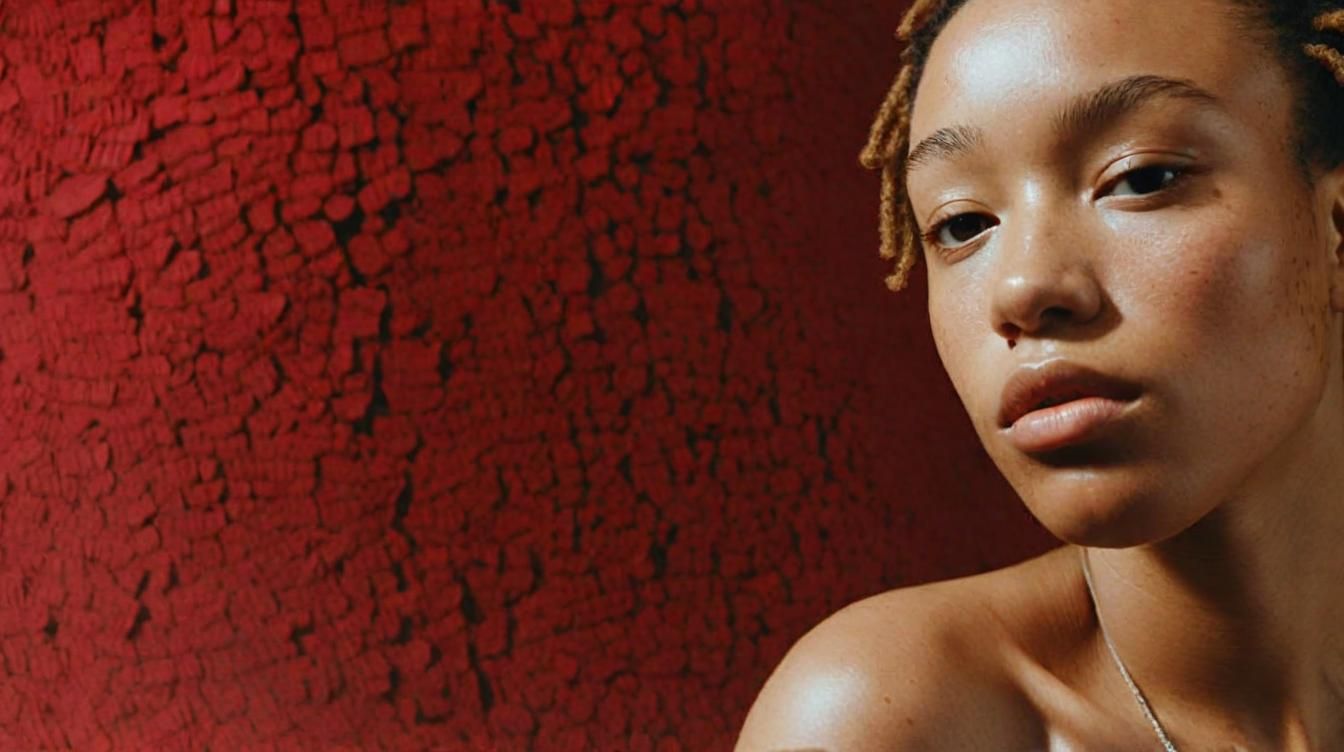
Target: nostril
x,y
1056,312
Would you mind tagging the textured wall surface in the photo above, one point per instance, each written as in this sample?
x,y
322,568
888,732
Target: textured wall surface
x,y
451,374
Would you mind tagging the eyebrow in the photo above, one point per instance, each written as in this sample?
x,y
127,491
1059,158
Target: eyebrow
x,y
1087,111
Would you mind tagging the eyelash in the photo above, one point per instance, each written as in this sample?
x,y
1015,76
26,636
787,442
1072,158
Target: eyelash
x,y
930,236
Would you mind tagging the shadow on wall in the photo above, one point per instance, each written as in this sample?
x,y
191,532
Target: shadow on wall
x,y
451,374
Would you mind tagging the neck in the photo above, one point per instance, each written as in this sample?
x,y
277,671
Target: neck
x,y
1238,622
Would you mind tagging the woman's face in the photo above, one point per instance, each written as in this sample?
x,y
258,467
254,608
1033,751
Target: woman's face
x,y
1161,234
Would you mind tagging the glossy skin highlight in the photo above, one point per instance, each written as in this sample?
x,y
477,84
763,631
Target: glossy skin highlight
x,y
1178,245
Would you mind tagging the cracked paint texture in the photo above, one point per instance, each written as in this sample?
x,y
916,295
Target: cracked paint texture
x,y
451,374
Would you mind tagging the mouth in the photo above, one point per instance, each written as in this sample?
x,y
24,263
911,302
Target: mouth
x,y
1073,396
1061,403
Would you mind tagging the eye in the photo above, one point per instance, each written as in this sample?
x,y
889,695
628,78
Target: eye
x,y
1152,179
957,230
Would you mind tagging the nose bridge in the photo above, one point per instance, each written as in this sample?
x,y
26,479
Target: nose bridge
x,y
1043,272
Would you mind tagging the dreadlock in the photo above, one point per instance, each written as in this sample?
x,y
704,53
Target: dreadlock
x,y
1309,35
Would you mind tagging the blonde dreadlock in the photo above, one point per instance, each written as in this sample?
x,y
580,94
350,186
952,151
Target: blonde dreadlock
x,y
889,134
888,139
1331,20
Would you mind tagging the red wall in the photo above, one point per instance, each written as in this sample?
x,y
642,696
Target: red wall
x,y
451,374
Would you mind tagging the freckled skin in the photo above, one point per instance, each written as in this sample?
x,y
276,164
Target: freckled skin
x,y
1212,516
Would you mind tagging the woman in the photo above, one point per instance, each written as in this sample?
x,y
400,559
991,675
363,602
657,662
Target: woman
x,y
1132,216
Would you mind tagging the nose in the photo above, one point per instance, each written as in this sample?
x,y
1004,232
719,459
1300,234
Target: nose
x,y
1044,283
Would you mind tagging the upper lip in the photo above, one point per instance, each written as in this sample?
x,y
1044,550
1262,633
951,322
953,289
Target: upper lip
x,y
1061,380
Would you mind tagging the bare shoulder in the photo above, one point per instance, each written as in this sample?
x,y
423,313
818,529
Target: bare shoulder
x,y
908,670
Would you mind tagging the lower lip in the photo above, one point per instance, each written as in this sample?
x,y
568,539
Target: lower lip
x,y
1060,425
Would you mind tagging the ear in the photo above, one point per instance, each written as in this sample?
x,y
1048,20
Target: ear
x,y
1331,195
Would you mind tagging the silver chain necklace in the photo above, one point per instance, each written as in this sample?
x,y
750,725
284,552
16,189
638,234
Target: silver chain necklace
x,y
1143,703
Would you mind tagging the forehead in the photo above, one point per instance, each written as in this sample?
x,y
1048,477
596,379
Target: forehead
x,y
1003,61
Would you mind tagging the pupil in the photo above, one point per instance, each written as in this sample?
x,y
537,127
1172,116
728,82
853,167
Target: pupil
x,y
1149,179
964,228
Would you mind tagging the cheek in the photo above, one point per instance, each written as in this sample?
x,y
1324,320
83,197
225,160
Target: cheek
x,y
956,330
1236,309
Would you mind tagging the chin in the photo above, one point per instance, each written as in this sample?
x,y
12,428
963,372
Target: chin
x,y
1102,507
